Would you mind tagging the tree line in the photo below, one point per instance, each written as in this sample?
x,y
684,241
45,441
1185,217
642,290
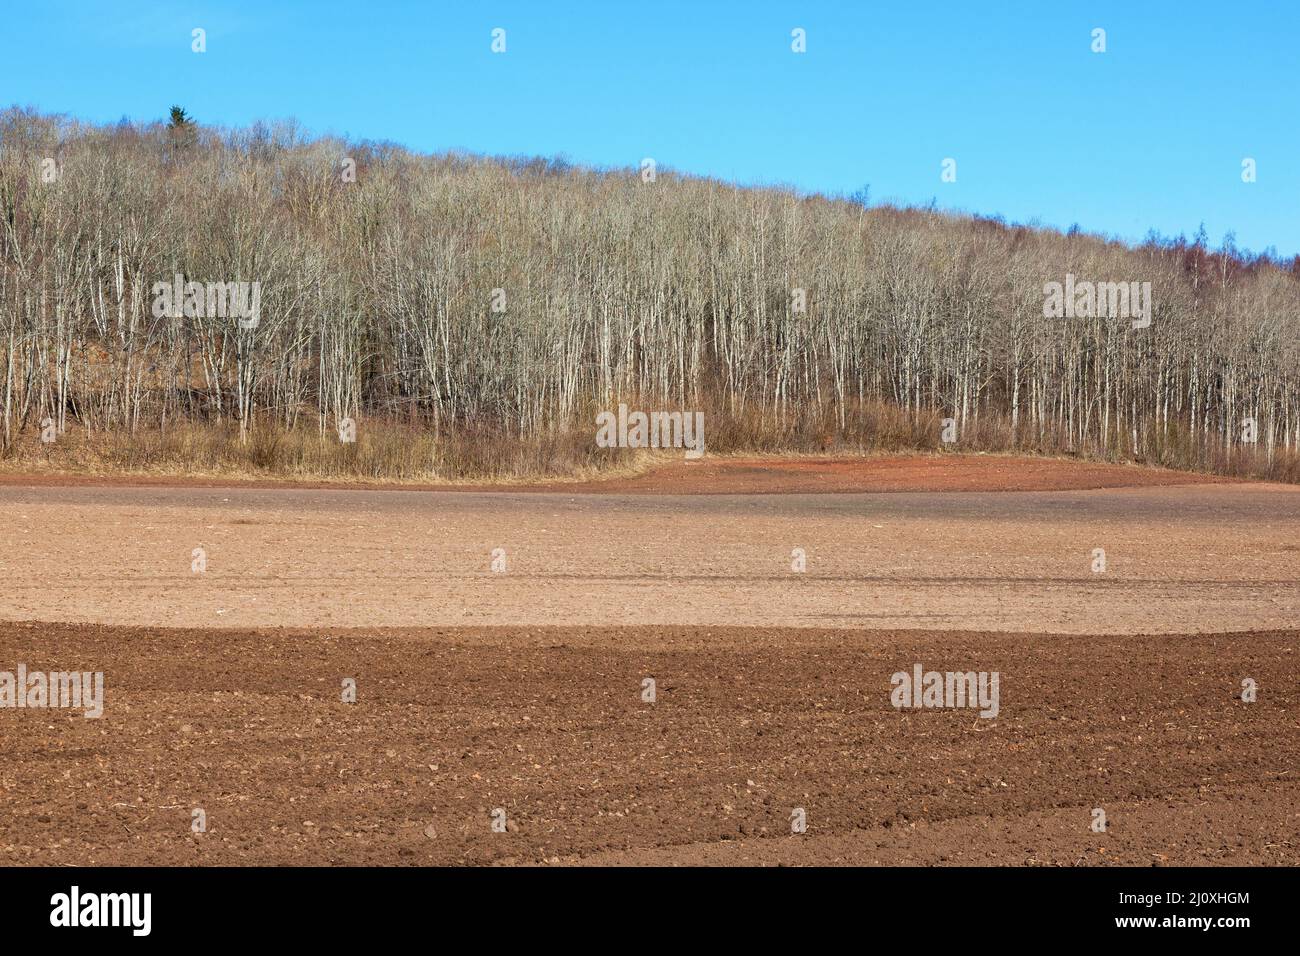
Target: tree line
x,y
521,296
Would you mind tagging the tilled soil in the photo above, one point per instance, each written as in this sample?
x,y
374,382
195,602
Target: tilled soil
x,y
550,726
769,615
885,474
1185,559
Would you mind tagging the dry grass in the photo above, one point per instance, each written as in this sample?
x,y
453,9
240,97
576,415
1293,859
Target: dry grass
x,y
383,451
404,452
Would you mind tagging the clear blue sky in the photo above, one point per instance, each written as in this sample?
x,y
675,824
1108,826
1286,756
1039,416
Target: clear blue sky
x,y
1150,134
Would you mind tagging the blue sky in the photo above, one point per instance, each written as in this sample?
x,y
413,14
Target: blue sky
x,y
1149,134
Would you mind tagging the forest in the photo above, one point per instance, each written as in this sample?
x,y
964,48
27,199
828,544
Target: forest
x,y
471,316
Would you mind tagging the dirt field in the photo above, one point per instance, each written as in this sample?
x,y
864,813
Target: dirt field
x,y
522,690
1179,559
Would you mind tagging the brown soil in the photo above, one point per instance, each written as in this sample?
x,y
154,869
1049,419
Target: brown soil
x,y
1180,559
1120,690
549,725
908,473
